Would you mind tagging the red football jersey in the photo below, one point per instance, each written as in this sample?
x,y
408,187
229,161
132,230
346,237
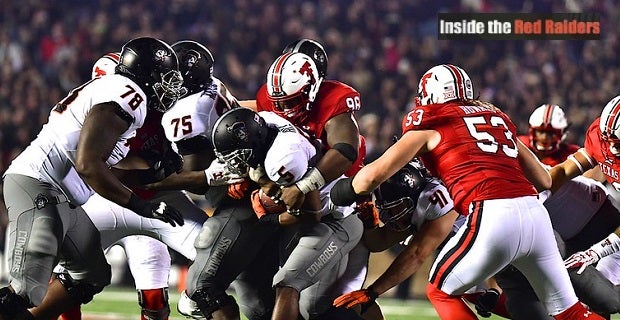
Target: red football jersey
x,y
599,149
477,155
334,98
557,157
149,143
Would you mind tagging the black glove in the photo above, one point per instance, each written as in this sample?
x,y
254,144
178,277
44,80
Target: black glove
x,y
160,211
342,194
486,302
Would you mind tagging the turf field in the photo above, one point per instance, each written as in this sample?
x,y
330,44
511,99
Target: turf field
x,y
121,304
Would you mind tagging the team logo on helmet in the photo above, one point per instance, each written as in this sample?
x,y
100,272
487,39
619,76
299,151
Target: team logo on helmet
x,y
160,55
407,180
239,131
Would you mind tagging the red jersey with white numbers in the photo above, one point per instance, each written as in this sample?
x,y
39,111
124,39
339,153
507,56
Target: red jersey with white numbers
x,y
598,149
564,150
477,155
334,98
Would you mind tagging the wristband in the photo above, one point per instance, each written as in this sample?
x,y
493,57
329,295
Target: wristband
x,y
312,180
343,194
609,245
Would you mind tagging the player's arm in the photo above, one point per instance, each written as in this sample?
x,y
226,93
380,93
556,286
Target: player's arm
x,y
382,238
193,178
342,136
576,164
251,104
102,127
533,168
432,233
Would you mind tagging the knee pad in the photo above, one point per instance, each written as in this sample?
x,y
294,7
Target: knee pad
x,y
80,292
154,304
13,306
209,302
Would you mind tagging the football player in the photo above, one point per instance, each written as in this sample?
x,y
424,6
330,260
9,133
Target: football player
x,y
69,161
317,238
148,258
492,177
230,245
581,213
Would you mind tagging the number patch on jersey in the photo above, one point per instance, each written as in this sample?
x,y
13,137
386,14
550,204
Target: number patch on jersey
x,y
485,140
414,117
353,103
438,198
184,124
136,100
286,178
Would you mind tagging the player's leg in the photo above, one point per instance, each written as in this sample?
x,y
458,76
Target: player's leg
x,y
543,266
227,244
314,266
149,263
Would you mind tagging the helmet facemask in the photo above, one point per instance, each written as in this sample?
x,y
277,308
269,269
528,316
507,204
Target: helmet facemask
x,y
237,161
396,214
169,90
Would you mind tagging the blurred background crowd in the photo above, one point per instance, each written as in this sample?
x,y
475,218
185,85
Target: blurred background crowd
x,y
379,47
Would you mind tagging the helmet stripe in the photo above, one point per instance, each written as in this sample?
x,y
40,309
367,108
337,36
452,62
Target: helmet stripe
x,y
547,115
115,57
458,80
276,81
612,121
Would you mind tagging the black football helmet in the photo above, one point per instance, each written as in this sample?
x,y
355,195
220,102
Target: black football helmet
x,y
153,65
195,64
240,139
397,197
313,49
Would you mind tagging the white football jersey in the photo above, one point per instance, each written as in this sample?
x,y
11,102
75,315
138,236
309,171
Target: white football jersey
x,y
434,202
194,115
291,155
51,156
574,204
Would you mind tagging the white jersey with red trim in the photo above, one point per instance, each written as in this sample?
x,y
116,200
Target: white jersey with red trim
x,y
195,114
434,202
290,156
51,156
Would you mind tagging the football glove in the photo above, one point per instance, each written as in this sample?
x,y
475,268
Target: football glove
x,y
237,190
218,174
367,212
486,302
354,298
257,205
581,260
160,211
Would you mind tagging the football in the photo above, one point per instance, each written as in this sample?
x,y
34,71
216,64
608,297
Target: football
x,y
269,204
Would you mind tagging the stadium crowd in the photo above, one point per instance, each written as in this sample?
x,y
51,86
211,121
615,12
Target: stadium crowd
x,y
379,47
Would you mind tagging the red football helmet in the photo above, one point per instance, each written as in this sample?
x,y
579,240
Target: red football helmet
x,y
547,130
292,84
105,65
610,125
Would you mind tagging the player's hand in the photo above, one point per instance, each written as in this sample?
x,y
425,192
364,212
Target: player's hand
x,y
256,174
292,197
354,298
160,211
486,302
581,260
367,212
218,174
237,190
257,205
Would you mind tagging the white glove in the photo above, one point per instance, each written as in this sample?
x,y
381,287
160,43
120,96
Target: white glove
x,y
581,260
256,174
218,174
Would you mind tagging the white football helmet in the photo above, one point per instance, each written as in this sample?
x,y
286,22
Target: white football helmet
x,y
105,65
444,83
548,118
292,84
610,125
